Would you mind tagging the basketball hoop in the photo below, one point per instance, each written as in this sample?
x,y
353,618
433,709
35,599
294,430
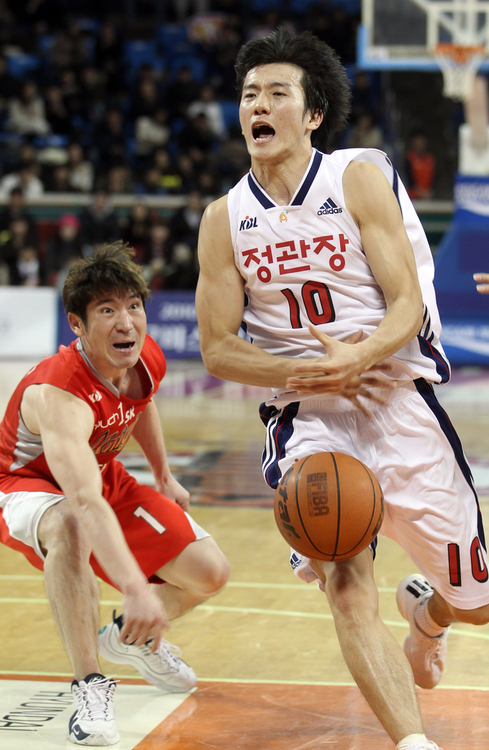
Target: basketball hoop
x,y
459,64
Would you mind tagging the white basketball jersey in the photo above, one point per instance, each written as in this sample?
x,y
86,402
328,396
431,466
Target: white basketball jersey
x,y
304,263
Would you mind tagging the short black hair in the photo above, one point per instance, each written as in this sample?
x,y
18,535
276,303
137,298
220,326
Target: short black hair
x,y
324,80
110,269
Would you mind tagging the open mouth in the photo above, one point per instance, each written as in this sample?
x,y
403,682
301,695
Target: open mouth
x,y
125,345
263,133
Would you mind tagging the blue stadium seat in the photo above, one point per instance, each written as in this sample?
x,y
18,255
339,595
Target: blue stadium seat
x,y
91,25
351,69
351,6
196,64
261,6
300,7
23,65
51,141
90,46
170,34
44,44
138,52
230,112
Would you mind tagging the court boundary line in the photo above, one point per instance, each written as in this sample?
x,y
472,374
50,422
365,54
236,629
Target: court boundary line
x,y
125,680
259,611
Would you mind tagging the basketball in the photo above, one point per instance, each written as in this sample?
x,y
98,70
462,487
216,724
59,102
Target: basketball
x,y
329,506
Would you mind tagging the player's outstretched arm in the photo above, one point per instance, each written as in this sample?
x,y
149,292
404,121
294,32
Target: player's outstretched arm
x,y
149,435
482,282
65,424
220,303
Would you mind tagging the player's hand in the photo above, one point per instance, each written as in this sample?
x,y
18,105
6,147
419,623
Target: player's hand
x,y
341,371
174,491
331,372
144,617
361,385
482,282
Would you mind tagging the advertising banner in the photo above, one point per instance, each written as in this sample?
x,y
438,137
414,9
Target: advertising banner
x,y
172,322
463,251
27,322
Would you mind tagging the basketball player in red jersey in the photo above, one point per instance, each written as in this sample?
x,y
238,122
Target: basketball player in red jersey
x,y
304,251
72,509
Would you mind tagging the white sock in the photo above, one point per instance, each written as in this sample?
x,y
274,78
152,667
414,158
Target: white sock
x,y
426,622
411,739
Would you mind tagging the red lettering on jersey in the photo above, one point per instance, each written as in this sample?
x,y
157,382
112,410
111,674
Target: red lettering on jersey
x,y
115,442
343,243
286,256
264,274
251,255
324,242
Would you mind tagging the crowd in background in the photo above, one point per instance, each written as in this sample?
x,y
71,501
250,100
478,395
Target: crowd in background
x,y
137,97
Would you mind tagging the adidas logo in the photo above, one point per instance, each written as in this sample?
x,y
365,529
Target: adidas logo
x,y
294,561
419,587
329,207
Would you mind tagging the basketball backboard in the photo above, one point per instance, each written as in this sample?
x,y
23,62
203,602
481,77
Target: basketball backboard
x,y
402,34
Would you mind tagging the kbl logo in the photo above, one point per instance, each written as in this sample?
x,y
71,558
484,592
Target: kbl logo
x,y
248,223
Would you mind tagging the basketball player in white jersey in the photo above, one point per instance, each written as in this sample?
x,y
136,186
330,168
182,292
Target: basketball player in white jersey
x,y
322,261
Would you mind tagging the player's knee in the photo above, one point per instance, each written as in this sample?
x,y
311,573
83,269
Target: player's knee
x,y
479,616
349,592
60,533
215,574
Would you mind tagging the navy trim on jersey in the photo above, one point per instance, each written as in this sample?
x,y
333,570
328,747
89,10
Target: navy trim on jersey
x,y
395,187
306,185
426,391
428,350
279,424
300,197
259,194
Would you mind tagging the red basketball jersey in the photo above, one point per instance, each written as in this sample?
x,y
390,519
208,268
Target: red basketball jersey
x,y
115,415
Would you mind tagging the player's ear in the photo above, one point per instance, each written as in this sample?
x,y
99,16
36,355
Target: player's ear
x,y
76,324
315,119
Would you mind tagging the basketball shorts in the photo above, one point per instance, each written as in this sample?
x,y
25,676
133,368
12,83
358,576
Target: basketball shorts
x,y
431,507
156,528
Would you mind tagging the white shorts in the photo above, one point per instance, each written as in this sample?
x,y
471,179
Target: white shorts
x,y
22,513
431,507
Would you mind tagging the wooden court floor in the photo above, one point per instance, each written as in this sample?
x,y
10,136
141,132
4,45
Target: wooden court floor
x,y
271,675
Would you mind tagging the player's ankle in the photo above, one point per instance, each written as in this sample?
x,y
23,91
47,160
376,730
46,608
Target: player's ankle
x,y
425,621
411,739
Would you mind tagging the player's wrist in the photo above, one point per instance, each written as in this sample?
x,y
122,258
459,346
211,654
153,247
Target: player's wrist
x,y
135,585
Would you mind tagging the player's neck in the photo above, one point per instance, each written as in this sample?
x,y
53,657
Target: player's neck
x,y
280,179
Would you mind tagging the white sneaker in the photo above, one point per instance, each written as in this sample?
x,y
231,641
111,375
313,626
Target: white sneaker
x,y
423,746
426,654
163,668
93,722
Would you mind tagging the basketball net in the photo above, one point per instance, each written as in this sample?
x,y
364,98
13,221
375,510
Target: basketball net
x,y
459,64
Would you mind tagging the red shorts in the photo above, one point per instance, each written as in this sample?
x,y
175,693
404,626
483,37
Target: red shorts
x,y
156,528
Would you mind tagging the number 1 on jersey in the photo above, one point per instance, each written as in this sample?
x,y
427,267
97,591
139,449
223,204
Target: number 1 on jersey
x,y
140,512
317,301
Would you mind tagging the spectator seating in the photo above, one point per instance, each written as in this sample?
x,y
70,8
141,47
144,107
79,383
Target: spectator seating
x,y
139,52
23,66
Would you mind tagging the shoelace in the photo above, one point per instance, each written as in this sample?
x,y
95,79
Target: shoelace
x,y
96,697
166,651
